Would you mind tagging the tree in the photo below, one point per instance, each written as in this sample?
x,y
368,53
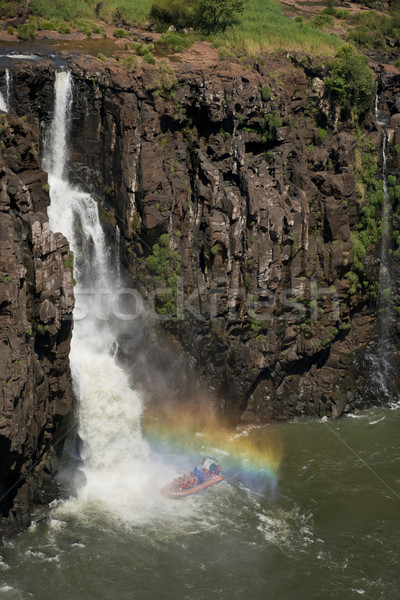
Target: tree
x,y
217,15
351,81
206,15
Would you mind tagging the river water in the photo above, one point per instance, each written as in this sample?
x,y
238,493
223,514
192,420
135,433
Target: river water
x,y
329,528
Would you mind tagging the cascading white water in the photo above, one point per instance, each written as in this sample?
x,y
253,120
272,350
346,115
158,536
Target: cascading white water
x,y
382,372
8,81
109,410
5,102
384,271
118,250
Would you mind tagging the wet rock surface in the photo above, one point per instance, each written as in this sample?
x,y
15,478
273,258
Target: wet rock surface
x,y
36,302
253,178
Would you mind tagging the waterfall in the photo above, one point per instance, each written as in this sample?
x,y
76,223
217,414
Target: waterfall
x,y
109,410
118,250
56,157
384,270
5,102
383,372
8,80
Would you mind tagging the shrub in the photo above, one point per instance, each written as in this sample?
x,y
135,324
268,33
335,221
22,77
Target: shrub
x,y
69,262
10,31
26,31
322,133
175,42
141,49
342,13
270,123
265,93
149,58
165,265
329,10
350,80
322,21
119,33
63,28
225,54
130,61
173,12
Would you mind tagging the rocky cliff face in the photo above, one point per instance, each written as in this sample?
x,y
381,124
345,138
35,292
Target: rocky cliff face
x,y
36,301
238,192
257,188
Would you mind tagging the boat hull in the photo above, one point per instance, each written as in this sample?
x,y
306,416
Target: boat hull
x,y
177,495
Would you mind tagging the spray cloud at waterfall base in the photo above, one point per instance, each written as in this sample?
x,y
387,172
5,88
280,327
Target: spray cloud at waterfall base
x,y
120,476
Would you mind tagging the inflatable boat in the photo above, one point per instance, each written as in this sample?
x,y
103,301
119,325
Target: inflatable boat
x,y
209,473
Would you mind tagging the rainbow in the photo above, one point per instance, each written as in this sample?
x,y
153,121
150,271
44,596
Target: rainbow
x,y
252,455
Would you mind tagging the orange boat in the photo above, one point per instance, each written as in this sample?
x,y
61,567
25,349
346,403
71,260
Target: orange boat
x,y
196,481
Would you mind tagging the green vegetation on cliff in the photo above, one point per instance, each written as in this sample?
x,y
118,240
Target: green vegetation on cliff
x,y
351,81
164,265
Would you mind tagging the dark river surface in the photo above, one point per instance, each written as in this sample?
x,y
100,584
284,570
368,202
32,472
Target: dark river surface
x,y
328,527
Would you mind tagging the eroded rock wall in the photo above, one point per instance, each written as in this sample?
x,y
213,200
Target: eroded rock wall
x,y
254,179
258,185
36,302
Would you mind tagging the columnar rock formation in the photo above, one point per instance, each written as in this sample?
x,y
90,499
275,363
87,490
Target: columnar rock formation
x,y
36,302
258,186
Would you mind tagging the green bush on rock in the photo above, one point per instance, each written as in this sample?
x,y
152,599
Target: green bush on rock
x,y
350,81
165,265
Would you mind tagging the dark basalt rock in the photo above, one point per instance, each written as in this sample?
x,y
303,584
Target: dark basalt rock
x,y
36,301
253,177
257,215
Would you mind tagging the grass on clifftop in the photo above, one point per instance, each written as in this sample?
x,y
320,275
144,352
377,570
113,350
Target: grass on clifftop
x,y
262,26
134,12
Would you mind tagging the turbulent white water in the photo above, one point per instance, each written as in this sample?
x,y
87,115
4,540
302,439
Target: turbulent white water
x,y
109,410
5,101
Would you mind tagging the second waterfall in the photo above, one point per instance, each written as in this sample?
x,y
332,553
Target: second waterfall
x,y
109,410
